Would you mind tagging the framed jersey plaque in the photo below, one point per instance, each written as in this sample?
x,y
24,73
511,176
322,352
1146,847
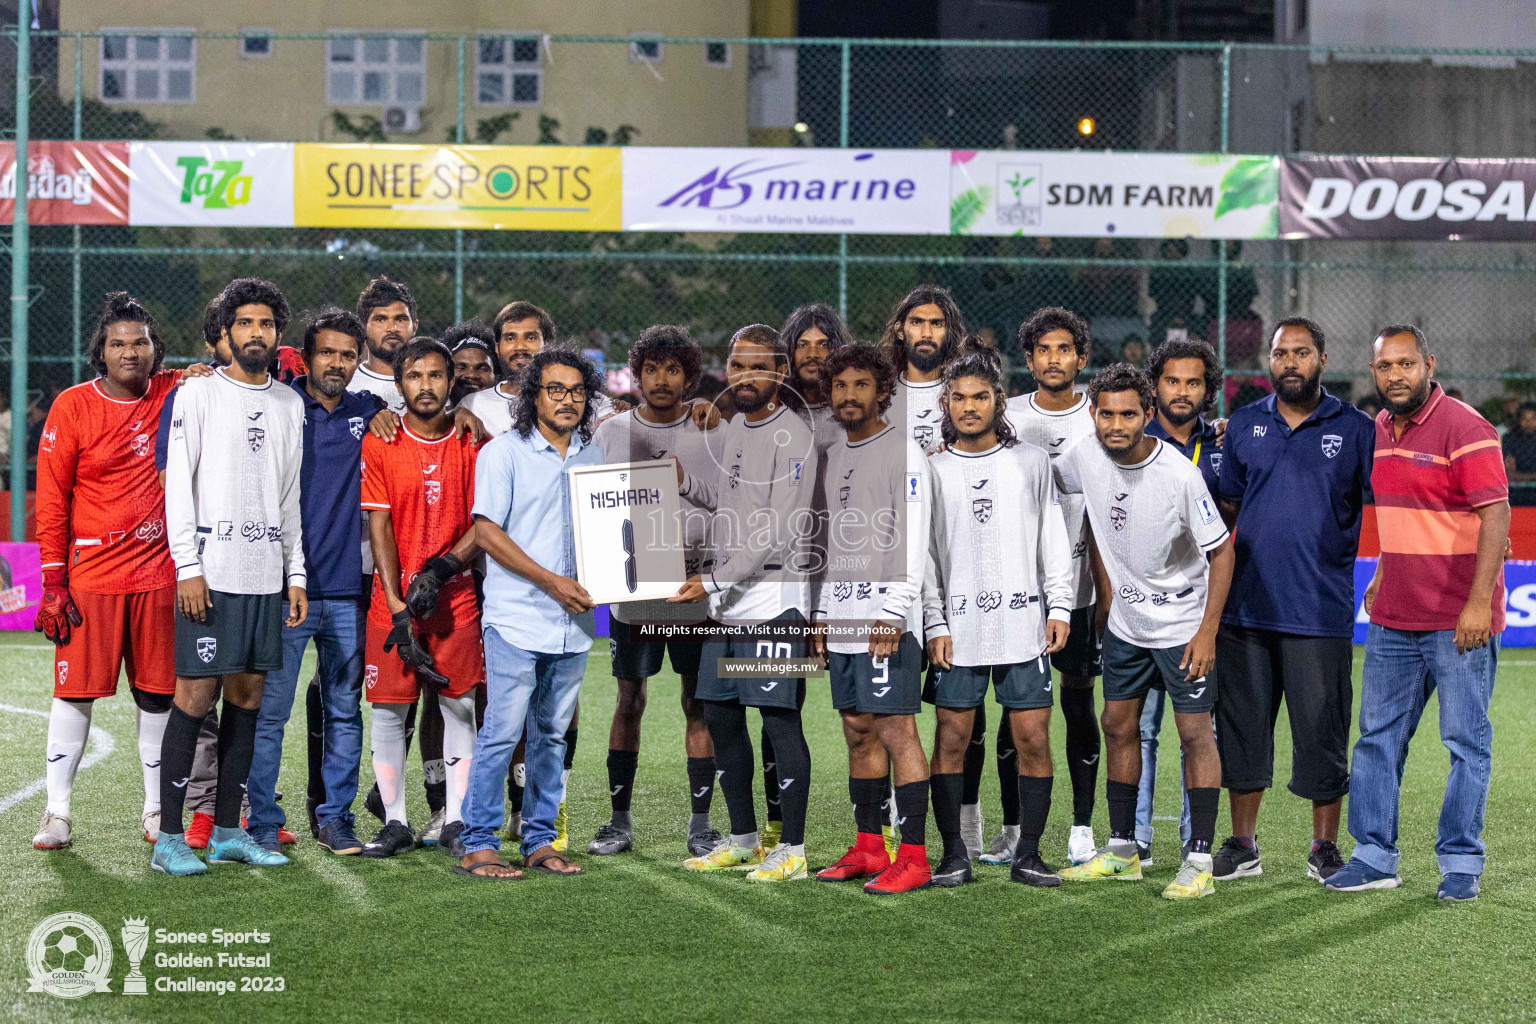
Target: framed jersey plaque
x,y
629,544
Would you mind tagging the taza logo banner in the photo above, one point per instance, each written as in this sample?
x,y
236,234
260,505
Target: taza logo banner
x,y
799,191
1099,194
232,184
68,182
1408,198
543,188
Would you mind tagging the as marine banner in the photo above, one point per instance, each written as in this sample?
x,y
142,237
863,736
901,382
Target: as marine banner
x,y
533,188
1408,198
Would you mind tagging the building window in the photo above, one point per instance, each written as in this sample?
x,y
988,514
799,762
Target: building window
x,y
147,66
376,71
717,55
1301,15
645,48
509,71
256,42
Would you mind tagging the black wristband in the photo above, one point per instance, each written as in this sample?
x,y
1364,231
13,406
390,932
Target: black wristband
x,y
445,567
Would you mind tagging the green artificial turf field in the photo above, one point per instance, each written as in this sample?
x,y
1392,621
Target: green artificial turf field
x,y
638,939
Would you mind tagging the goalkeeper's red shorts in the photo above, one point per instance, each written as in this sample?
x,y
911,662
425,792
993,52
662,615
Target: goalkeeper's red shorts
x,y
456,652
117,631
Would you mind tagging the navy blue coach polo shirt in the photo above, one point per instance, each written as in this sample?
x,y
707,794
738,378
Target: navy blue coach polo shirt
x,y
1300,494
331,481
1202,450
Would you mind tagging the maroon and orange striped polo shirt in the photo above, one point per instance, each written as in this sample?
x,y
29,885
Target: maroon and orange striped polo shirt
x,y
1428,484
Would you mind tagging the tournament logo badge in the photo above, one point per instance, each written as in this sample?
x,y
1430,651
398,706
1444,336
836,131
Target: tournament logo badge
x,y
255,437
135,934
1332,445
981,508
69,955
206,646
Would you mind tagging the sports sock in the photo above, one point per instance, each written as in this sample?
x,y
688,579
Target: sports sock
x,y
1122,810
151,735
1034,807
868,796
314,721
1203,802
1077,709
946,789
458,751
389,745
727,721
237,742
69,725
975,758
749,840
794,757
570,749
770,777
1007,770
622,765
701,787
203,778
912,812
429,728
176,750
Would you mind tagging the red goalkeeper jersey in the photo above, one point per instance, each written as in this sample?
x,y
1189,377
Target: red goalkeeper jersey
x,y
100,506
428,488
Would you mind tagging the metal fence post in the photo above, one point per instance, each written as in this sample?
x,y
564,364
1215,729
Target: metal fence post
x,y
842,140
458,233
74,254
19,254
1221,245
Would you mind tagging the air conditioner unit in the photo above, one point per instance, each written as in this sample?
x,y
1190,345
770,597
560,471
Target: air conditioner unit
x,y
402,120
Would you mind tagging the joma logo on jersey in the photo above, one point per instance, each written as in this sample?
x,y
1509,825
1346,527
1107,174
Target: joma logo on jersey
x,y
214,184
434,491
981,508
255,437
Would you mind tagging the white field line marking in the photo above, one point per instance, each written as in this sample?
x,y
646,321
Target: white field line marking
x,y
101,746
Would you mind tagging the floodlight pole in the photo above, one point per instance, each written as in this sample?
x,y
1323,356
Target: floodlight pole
x,y
19,252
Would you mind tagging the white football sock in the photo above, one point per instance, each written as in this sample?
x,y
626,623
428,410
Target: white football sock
x,y
458,750
388,737
151,732
565,780
69,724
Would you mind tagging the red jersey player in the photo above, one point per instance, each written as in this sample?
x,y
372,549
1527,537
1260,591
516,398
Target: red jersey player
x,y
418,490
108,583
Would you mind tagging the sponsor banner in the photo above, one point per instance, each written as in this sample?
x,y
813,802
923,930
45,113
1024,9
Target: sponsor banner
x,y
21,584
799,191
1094,194
537,188
228,184
68,182
1430,198
1519,602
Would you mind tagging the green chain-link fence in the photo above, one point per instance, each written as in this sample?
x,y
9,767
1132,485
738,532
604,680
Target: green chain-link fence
x,y
604,288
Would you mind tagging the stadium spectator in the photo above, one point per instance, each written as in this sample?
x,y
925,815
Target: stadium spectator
x,y
1133,351
1520,446
1437,608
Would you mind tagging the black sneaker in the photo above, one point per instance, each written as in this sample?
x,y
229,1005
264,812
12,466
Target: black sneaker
x,y
393,838
1032,870
312,806
953,871
610,839
1324,861
265,836
450,841
1237,858
338,836
702,843
373,803
1144,853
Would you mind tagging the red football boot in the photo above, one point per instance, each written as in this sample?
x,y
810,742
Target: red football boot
x,y
909,872
864,858
199,831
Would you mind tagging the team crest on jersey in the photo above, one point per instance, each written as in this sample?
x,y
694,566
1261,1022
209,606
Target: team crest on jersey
x,y
989,600
356,425
370,675
1332,445
434,491
139,445
981,508
255,437
49,437
1117,517
842,495
207,646
63,672
150,530
923,435
735,476
1216,461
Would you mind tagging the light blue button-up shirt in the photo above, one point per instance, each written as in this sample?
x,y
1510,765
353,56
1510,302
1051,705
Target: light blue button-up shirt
x,y
520,486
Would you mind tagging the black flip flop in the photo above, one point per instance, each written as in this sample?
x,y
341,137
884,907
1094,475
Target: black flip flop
x,y
556,855
474,871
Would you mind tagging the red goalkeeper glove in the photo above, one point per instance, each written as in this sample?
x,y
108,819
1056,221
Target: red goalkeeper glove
x,y
56,614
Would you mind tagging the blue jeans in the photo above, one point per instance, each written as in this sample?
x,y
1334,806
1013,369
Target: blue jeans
x,y
1151,725
521,686
336,626
1402,669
